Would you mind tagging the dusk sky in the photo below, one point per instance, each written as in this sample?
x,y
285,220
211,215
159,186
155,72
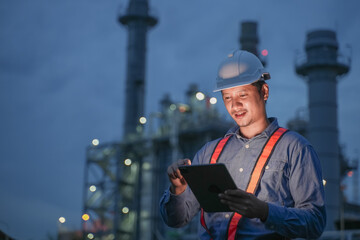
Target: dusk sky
x,y
62,72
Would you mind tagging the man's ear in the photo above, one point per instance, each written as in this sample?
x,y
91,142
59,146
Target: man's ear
x,y
265,91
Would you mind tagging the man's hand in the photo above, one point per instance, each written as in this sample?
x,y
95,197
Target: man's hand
x,y
245,204
178,183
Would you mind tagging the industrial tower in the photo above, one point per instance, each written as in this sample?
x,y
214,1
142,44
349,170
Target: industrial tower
x,y
249,39
117,174
138,21
321,69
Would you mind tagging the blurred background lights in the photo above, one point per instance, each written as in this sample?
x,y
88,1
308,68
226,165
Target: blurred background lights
x,y
95,142
139,129
125,210
92,188
62,220
213,100
264,52
142,120
324,182
172,107
146,166
350,173
127,162
90,236
200,96
85,217
183,108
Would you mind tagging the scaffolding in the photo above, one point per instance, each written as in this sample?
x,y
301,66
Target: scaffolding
x,y
125,181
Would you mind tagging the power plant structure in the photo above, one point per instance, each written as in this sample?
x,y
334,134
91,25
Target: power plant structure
x,y
138,22
125,180
322,68
249,39
114,187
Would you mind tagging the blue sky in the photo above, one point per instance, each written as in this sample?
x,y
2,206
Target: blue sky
x,y
62,71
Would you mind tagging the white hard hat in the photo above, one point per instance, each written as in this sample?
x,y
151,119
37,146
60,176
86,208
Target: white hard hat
x,y
240,68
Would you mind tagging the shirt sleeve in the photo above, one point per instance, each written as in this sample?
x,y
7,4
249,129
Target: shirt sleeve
x,y
307,218
178,210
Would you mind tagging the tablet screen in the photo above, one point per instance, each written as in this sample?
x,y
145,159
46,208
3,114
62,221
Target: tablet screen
x,y
206,182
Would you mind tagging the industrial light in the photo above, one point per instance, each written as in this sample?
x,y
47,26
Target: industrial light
x,y
264,52
139,128
62,220
127,162
90,236
200,96
183,108
324,182
95,142
142,120
125,210
146,166
92,188
172,107
85,217
213,100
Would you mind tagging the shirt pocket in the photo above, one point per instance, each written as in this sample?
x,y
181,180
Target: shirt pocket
x,y
272,179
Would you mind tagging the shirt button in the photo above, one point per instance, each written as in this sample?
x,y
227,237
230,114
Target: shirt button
x,y
247,146
241,169
227,215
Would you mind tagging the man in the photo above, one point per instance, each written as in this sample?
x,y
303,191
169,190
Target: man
x,y
288,196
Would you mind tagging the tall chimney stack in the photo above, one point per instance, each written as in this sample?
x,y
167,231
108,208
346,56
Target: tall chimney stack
x,y
321,67
249,39
138,21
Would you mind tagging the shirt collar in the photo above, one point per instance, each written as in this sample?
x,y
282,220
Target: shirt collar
x,y
267,132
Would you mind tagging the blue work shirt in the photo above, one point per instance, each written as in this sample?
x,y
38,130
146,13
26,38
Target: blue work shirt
x,y
291,185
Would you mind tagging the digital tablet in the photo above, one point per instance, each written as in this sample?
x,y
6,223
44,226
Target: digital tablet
x,y
206,182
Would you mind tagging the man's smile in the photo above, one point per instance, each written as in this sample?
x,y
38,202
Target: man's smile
x,y
240,114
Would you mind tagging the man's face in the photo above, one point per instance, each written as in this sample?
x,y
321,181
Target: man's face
x,y
246,105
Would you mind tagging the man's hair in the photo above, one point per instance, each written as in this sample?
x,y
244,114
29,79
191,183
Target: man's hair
x,y
258,85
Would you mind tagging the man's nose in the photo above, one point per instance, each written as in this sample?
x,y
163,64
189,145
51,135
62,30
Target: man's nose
x,y
236,103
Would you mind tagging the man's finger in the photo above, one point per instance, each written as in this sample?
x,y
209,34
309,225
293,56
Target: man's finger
x,y
172,175
236,192
235,206
178,174
232,199
172,172
185,161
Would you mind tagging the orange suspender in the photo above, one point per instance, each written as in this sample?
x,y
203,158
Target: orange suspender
x,y
255,178
218,149
214,157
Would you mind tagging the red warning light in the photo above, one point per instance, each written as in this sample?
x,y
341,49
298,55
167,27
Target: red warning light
x,y
264,52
